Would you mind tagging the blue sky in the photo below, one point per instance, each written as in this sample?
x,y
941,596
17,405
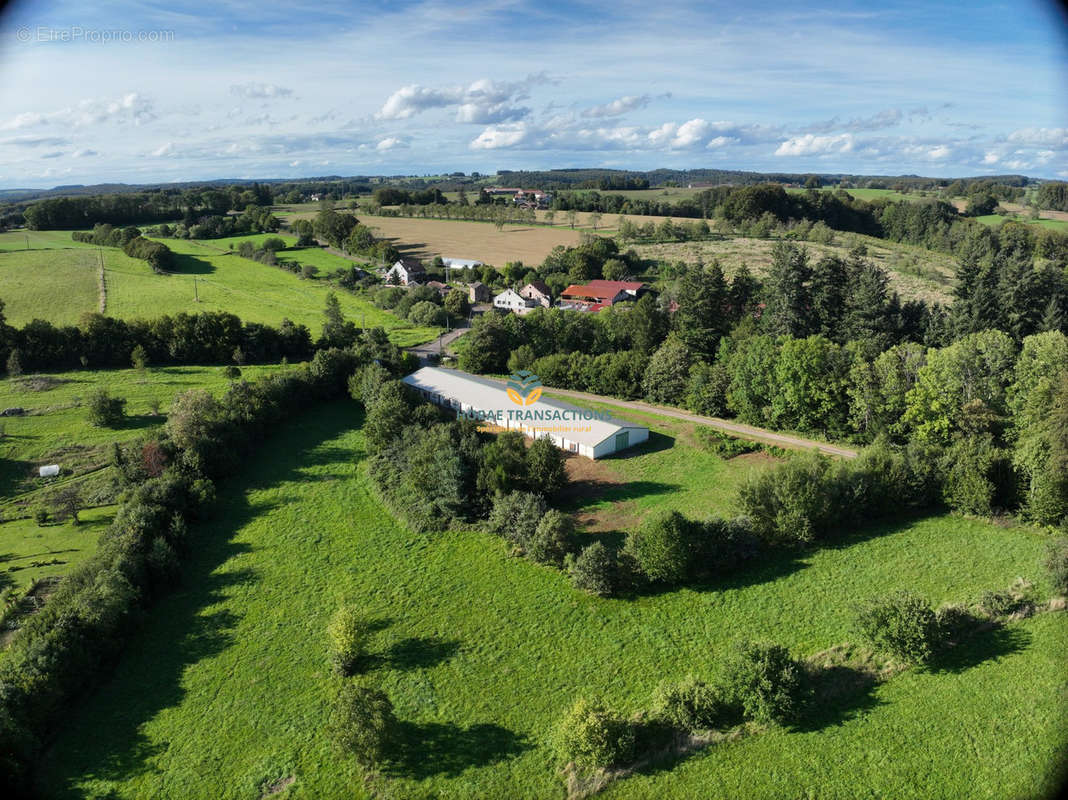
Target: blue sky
x,y
146,92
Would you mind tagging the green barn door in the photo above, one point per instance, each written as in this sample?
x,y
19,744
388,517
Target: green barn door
x,y
622,440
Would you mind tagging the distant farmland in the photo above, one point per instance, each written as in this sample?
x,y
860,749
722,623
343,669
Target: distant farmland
x,y
63,283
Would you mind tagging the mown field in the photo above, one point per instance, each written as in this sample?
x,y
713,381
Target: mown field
x,y
62,283
225,693
1051,224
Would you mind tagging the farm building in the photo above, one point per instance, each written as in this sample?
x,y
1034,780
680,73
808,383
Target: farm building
x,y
511,300
538,292
479,292
598,294
572,429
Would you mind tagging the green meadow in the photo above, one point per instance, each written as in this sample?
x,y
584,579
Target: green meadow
x,y
62,283
225,691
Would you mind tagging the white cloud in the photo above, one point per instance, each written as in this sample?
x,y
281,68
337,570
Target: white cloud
x,y
498,136
259,91
619,106
164,150
1056,138
84,153
990,157
482,102
927,152
130,107
390,143
811,145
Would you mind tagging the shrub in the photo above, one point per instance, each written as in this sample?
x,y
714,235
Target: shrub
x,y
792,503
590,735
553,539
362,722
955,621
545,467
901,625
594,570
516,515
998,604
231,372
763,682
347,633
690,705
40,516
661,547
105,411
721,545
1057,564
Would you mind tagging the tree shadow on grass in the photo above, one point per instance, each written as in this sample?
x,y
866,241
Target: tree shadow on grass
x,y
420,652
138,421
989,643
423,750
839,693
186,264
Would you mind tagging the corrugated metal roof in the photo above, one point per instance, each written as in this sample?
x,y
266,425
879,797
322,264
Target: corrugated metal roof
x,y
489,395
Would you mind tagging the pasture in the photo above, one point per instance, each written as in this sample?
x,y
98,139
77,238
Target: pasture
x,y
225,693
915,272
207,277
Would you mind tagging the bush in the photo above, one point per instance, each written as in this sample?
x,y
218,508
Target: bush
x,y
545,467
955,621
721,545
362,722
595,570
347,633
40,516
901,625
590,735
516,516
690,705
1057,564
661,547
105,411
553,539
763,682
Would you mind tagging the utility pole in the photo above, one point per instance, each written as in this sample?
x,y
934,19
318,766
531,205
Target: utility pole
x,y
196,294
27,241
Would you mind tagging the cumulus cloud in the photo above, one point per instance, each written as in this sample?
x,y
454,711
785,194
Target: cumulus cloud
x,y
496,137
619,106
130,107
927,152
390,143
811,145
259,91
482,102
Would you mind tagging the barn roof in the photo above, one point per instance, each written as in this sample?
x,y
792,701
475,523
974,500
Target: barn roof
x,y
488,395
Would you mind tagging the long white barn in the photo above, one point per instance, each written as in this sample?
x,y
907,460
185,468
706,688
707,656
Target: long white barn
x,y
572,429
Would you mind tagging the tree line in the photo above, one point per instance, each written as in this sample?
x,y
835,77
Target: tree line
x,y
158,255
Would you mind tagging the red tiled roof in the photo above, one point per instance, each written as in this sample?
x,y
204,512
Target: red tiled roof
x,y
616,286
575,290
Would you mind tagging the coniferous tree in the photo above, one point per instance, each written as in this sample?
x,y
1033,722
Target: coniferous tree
x,y
788,306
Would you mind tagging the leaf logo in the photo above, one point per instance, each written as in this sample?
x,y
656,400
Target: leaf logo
x,y
524,388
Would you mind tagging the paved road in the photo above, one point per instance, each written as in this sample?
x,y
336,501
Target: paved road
x,y
747,431
434,346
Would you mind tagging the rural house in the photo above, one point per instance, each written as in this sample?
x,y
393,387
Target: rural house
x,y
511,300
598,294
479,292
443,288
572,429
405,272
538,292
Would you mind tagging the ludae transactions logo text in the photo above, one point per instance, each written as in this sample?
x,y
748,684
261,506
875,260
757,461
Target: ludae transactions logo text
x,y
524,388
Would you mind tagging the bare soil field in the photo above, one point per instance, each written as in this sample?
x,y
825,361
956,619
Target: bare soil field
x,y
426,238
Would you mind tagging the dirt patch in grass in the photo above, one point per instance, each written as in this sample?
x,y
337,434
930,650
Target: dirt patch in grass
x,y
278,786
757,458
587,480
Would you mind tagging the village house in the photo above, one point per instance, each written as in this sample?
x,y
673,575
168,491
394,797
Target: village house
x,y
479,292
443,288
538,292
405,272
511,300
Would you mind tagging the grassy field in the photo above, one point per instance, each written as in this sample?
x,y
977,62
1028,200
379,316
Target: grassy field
x,y
1051,224
57,285
61,284
55,430
224,694
914,271
29,551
